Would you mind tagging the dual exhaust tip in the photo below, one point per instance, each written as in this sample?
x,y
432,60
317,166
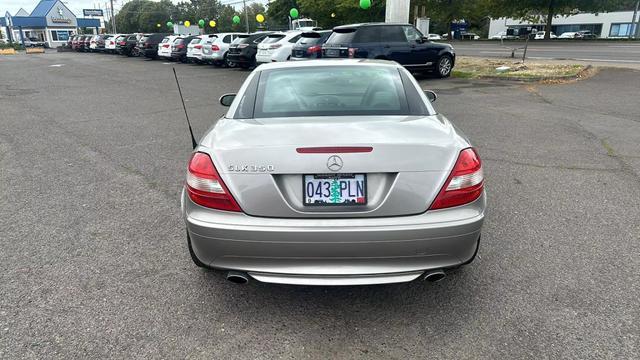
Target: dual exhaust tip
x,y
241,278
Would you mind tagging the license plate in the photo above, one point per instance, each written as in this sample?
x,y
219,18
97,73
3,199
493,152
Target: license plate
x,y
335,189
262,52
332,52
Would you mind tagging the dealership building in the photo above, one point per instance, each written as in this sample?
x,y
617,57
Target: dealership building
x,y
615,24
50,21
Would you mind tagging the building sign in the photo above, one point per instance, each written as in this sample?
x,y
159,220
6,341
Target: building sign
x,y
60,19
92,12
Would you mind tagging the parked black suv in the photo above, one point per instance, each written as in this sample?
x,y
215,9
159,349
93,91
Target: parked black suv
x,y
179,48
128,46
309,46
242,51
149,47
403,44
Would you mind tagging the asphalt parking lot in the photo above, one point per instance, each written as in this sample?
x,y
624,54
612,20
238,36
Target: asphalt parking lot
x,y
94,264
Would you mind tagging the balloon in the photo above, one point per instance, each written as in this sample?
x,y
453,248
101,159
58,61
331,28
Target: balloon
x,y
212,23
333,15
187,23
201,23
294,13
260,18
169,24
236,19
158,25
365,4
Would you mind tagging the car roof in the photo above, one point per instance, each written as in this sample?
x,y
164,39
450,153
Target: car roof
x,y
327,63
350,26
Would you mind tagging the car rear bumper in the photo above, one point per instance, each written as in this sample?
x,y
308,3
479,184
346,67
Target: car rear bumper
x,y
334,251
239,59
215,55
195,56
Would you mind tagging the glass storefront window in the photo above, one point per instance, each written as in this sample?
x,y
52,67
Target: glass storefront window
x,y
622,30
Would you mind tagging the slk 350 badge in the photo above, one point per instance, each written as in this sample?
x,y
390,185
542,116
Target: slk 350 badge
x,y
251,168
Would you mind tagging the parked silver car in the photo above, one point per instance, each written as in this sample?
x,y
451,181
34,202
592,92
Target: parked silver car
x,y
354,180
215,49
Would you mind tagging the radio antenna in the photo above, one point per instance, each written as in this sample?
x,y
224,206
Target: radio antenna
x,y
194,143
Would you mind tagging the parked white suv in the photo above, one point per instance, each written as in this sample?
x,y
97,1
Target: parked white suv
x,y
194,48
277,47
110,44
164,48
215,49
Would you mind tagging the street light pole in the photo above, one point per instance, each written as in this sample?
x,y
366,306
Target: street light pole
x,y
246,14
113,19
633,32
637,29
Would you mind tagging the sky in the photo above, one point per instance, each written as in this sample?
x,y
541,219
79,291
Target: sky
x,y
75,6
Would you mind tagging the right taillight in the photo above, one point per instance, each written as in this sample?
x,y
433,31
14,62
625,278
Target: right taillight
x,y
205,187
465,183
314,49
215,48
352,52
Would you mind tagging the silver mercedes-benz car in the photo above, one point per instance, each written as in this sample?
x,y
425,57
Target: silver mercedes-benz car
x,y
333,172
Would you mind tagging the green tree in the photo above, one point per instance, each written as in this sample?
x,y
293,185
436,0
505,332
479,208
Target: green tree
x,y
278,12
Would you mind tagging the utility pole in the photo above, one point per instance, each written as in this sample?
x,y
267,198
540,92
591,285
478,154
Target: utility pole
x,y
637,32
633,32
113,19
246,14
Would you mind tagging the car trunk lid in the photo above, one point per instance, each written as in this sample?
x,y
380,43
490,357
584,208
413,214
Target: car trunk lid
x,y
405,160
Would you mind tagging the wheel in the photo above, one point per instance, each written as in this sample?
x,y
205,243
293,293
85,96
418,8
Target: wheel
x,y
194,258
228,63
444,66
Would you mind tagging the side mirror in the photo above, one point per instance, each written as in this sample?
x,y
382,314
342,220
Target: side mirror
x,y
424,39
227,99
430,95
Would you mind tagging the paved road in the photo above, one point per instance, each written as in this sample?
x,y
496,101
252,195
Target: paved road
x,y
93,260
597,52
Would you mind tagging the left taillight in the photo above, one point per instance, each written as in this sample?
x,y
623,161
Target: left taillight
x,y
465,183
205,187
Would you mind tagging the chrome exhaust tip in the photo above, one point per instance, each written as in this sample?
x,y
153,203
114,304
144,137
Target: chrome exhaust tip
x,y
434,276
237,277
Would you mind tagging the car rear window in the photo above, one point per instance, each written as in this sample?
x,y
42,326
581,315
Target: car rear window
x,y
336,91
241,39
178,41
341,36
272,39
195,41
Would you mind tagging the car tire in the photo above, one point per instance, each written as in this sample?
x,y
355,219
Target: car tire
x,y
444,66
228,63
194,258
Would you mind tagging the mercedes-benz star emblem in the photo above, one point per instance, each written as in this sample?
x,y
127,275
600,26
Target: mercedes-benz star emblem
x,y
334,163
